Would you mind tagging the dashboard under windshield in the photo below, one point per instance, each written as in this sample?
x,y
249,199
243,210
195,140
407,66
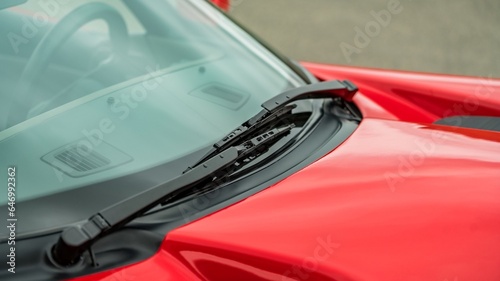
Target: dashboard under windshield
x,y
97,91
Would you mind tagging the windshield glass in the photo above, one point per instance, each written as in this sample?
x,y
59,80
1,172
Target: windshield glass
x,y
95,90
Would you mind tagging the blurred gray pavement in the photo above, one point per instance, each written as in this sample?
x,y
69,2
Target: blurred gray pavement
x,y
453,36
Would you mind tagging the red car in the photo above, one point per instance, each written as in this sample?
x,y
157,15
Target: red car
x,y
158,140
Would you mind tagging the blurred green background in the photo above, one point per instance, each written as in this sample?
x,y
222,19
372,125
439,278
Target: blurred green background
x,y
453,36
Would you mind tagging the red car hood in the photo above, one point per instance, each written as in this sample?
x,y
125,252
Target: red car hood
x,y
396,201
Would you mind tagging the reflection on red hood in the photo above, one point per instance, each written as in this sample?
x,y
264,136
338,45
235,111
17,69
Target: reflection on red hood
x,y
396,201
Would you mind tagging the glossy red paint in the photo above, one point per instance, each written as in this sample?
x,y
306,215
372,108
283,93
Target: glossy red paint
x,y
416,97
397,201
223,4
416,202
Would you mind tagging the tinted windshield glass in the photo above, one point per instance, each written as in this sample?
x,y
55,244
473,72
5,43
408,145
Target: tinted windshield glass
x,y
95,90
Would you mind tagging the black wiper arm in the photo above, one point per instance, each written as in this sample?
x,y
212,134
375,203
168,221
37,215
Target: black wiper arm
x,y
228,155
278,106
74,241
335,88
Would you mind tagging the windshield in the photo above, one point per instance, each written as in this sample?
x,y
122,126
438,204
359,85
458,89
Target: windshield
x,y
96,90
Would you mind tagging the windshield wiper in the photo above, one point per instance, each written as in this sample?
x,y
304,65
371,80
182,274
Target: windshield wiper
x,y
278,107
74,241
229,155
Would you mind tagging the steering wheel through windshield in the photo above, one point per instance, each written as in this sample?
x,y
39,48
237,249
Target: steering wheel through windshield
x,y
56,37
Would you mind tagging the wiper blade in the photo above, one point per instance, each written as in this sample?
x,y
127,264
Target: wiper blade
x,y
278,107
245,130
74,241
229,155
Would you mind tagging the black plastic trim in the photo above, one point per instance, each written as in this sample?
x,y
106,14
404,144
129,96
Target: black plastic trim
x,y
488,123
141,238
